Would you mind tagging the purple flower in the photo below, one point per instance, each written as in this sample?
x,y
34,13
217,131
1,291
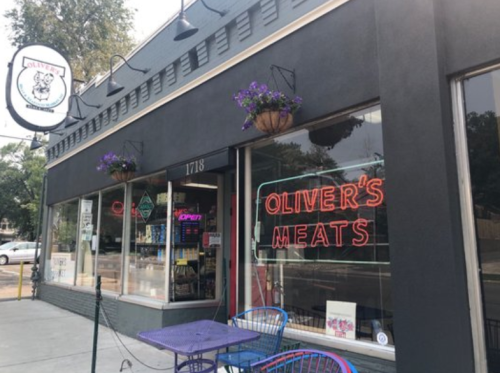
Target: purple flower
x,y
247,125
110,163
259,97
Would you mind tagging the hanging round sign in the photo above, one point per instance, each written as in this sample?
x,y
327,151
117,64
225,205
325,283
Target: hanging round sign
x,y
38,87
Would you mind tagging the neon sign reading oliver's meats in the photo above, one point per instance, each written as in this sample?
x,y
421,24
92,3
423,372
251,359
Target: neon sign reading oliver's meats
x,y
326,199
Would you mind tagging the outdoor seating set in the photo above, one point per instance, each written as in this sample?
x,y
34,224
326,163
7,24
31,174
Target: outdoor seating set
x,y
251,344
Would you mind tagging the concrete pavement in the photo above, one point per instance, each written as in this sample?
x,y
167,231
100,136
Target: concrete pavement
x,y
38,337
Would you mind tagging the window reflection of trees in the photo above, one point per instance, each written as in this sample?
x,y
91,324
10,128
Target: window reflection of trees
x,y
311,276
484,158
310,155
64,227
484,163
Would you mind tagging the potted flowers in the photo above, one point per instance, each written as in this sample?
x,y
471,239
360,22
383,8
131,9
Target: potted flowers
x,y
270,111
119,167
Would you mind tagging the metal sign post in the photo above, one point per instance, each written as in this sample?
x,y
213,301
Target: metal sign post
x,y
98,299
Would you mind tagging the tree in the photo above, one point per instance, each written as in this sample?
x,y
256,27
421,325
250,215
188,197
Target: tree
x,y
21,174
484,159
87,32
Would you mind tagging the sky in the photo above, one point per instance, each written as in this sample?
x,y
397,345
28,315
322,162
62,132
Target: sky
x,y
147,20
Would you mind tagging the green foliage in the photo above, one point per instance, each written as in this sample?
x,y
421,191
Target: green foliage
x,y
64,227
484,158
87,32
21,175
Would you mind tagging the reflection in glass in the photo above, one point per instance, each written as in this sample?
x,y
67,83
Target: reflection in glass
x,y
320,226
110,239
482,101
146,259
87,245
61,259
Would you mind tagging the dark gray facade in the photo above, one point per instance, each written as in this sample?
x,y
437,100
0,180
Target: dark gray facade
x,y
401,53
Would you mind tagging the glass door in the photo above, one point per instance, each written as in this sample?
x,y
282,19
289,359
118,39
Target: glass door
x,y
196,244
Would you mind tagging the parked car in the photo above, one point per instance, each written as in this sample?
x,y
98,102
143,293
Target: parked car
x,y
15,252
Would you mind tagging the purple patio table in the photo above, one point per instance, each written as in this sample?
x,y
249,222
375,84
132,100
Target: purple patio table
x,y
195,338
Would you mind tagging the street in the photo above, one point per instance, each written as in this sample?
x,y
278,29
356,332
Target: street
x,y
9,281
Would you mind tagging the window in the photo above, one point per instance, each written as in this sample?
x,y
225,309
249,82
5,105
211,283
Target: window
x,y
110,239
88,240
146,258
320,246
60,261
482,120
196,237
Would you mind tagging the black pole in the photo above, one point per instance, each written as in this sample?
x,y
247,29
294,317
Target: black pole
x,y
98,299
35,274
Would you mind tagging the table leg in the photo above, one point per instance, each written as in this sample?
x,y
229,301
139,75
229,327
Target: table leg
x,y
196,364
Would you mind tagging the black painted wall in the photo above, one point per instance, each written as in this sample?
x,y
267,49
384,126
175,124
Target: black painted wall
x,y
340,49
420,44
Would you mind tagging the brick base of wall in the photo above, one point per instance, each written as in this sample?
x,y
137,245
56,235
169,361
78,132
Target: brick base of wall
x,y
126,318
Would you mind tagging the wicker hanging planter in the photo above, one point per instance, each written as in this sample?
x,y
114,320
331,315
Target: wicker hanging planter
x,y
123,176
272,122
270,111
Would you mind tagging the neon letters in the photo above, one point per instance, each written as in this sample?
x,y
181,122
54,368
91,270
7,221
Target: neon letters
x,y
190,217
366,193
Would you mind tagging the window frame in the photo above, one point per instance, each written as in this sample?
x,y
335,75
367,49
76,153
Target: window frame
x,y
467,217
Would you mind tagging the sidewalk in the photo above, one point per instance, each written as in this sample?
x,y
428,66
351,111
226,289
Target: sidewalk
x,y
38,337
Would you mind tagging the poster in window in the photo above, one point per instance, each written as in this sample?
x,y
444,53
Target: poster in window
x,y
341,319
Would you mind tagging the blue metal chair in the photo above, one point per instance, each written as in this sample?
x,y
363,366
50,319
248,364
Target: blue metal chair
x,y
303,361
270,323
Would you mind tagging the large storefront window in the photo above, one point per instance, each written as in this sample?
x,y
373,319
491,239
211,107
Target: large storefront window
x,y
109,261
196,237
87,244
482,101
146,259
320,246
61,256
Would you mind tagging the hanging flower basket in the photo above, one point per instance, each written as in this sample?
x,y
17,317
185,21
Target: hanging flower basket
x,y
123,176
120,167
273,122
270,111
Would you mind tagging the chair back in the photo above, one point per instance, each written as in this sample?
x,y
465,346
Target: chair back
x,y
269,322
302,361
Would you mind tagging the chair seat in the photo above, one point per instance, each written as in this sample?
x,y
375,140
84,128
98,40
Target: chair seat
x,y
241,359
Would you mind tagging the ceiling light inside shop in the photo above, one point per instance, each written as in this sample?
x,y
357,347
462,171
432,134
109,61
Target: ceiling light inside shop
x,y
204,180
200,185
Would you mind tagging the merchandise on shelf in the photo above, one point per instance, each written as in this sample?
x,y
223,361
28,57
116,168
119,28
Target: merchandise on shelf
x,y
148,238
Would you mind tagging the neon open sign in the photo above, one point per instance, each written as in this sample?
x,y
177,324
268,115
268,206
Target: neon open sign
x,y
190,217
307,212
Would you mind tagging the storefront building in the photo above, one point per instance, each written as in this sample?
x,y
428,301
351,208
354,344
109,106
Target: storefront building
x,y
380,201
